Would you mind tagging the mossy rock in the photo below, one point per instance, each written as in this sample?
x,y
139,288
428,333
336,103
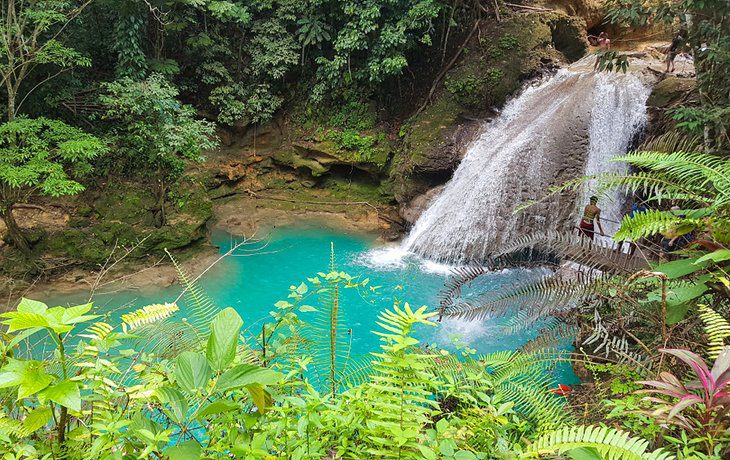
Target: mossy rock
x,y
489,72
128,203
347,189
669,91
189,197
81,245
295,160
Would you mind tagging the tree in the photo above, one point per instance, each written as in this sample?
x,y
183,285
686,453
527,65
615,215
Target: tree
x,y
154,133
708,34
29,38
41,157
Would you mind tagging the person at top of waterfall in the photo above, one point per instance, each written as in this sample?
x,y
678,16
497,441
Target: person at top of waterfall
x,y
604,44
591,217
674,47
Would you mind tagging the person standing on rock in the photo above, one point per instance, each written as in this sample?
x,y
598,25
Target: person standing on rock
x,y
591,216
677,43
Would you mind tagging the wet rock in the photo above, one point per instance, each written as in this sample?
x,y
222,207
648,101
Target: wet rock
x,y
592,12
521,47
670,91
412,210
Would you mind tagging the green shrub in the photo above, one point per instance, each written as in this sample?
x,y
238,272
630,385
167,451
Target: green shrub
x,y
508,42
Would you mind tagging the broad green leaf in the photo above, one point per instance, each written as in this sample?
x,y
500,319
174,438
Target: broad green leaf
x,y
681,267
188,450
77,314
23,335
216,407
192,371
720,255
175,400
37,419
223,340
32,306
17,321
66,393
247,374
260,397
302,289
29,376
307,308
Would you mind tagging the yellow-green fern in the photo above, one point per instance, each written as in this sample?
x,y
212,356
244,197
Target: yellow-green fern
x,y
608,442
146,315
717,329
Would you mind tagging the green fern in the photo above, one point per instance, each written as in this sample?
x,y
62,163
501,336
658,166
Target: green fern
x,y
512,376
611,444
651,222
147,315
717,329
202,308
554,335
399,388
538,298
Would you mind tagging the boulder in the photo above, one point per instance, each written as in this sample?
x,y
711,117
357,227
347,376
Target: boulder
x,y
412,210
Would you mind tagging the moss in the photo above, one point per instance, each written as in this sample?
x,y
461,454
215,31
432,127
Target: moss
x,y
295,160
669,91
429,128
506,54
189,197
124,202
346,189
80,245
568,35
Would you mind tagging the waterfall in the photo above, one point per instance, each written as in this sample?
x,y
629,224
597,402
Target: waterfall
x,y
570,125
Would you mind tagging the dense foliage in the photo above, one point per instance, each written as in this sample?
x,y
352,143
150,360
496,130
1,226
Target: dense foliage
x,y
145,79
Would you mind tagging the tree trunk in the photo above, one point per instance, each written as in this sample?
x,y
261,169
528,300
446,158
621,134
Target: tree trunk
x,y
14,233
158,212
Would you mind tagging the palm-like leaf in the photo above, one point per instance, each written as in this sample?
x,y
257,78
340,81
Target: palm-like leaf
x,y
610,443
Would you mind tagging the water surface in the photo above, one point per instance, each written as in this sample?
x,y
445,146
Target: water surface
x,y
253,281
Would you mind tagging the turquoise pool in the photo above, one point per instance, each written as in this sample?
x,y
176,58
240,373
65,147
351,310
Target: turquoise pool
x,y
254,282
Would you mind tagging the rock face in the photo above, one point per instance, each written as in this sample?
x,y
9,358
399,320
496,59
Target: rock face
x,y
521,47
412,210
119,216
566,127
666,94
592,12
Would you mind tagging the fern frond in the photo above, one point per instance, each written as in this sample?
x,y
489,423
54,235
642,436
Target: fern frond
x,y
202,308
147,315
717,329
554,336
552,246
540,297
12,428
691,169
97,331
610,344
651,222
610,443
673,141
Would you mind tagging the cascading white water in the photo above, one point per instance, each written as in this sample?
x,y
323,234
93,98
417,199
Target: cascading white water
x,y
573,124
619,113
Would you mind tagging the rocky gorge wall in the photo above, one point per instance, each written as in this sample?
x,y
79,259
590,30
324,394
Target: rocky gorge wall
x,y
374,166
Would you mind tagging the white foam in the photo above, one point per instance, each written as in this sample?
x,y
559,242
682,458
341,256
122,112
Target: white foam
x,y
467,331
392,257
429,266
